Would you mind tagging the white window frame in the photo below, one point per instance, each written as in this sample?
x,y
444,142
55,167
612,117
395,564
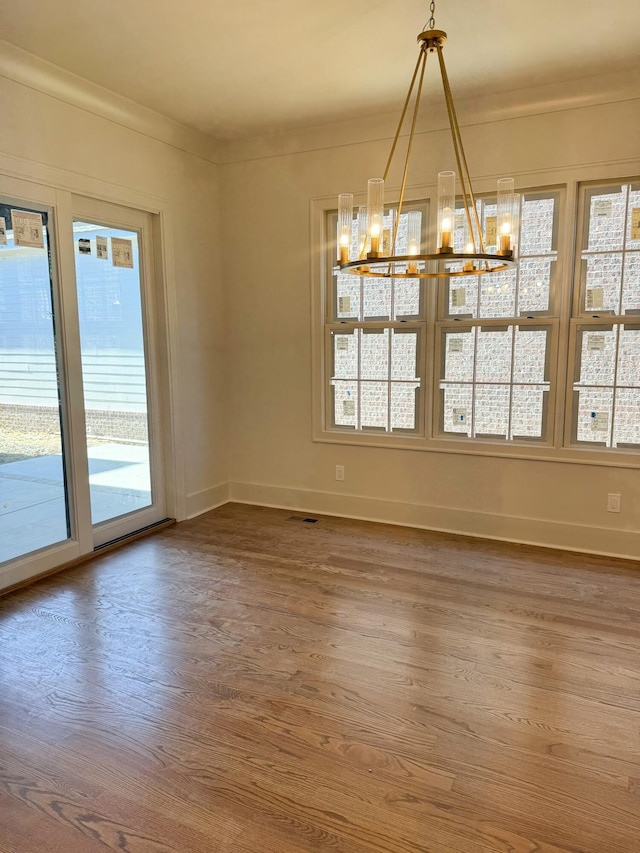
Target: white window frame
x,y
581,319
549,320
334,325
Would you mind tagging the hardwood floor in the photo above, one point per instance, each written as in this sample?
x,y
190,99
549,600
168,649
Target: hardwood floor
x,y
244,682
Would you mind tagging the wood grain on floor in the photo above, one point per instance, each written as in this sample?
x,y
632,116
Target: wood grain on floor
x,y
245,682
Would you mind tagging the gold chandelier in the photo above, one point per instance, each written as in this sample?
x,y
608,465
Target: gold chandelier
x,y
366,256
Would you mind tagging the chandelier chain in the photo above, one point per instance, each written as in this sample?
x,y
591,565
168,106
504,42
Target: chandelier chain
x,y
432,20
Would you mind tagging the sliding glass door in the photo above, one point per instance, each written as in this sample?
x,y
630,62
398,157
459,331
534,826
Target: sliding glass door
x,y
34,505
112,341
81,441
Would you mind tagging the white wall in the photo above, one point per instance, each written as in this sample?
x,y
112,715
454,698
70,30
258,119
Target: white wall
x,y
268,284
52,121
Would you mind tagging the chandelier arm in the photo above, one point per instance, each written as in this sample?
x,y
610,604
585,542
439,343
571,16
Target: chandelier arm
x,y
402,115
461,156
409,145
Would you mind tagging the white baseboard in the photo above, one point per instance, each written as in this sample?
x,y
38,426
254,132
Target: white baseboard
x,y
526,531
199,502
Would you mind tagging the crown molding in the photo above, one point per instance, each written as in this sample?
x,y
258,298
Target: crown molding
x,y
29,70
520,103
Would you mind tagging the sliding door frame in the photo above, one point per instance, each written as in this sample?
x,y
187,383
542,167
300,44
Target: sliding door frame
x,y
117,216
63,196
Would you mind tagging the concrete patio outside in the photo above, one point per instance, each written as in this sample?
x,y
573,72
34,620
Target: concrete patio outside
x,y
32,500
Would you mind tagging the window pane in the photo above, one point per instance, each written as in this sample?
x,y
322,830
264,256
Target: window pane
x,y
594,414
403,405
404,355
491,410
493,358
458,356
457,408
401,239
348,296
626,429
345,403
488,219
33,488
345,355
606,219
597,356
629,359
376,298
527,410
498,294
406,297
631,287
374,354
375,404
603,279
536,229
112,334
534,285
462,296
633,219
529,362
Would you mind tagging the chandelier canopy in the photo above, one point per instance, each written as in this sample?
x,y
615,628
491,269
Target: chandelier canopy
x,y
374,253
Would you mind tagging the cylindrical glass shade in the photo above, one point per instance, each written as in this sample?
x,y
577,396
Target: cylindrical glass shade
x,y
362,232
375,219
345,225
446,210
507,217
414,222
413,232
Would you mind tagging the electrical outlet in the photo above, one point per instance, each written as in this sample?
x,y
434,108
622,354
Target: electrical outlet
x,y
613,502
339,472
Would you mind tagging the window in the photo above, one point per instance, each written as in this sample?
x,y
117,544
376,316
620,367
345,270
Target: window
x,y
478,362
496,332
375,344
606,323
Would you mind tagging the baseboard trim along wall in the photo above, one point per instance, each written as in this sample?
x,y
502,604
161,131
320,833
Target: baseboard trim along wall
x,y
207,499
587,539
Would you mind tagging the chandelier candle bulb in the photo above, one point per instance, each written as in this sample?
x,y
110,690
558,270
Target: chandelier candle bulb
x,y
375,215
507,216
345,225
446,207
413,238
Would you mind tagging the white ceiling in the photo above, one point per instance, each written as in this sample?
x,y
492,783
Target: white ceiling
x,y
241,68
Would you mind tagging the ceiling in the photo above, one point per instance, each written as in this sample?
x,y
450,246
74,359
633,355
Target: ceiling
x,y
240,68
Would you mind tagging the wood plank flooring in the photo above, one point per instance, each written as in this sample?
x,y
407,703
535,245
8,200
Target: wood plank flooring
x,y
245,682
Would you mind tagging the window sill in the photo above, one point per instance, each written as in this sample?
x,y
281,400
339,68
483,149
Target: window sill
x,y
480,447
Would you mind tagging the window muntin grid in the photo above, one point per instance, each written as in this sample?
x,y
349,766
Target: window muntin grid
x,y
494,381
605,392
610,251
606,389
529,289
375,377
